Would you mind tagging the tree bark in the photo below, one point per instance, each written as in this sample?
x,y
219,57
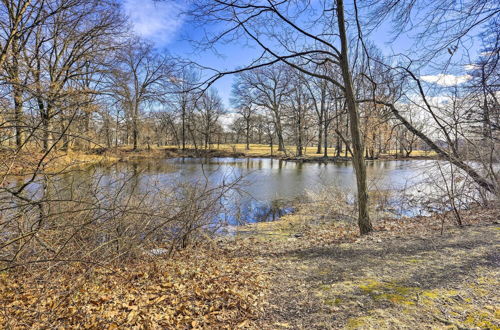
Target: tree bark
x,y
18,115
135,124
183,133
320,134
325,154
17,93
248,133
279,133
299,135
364,223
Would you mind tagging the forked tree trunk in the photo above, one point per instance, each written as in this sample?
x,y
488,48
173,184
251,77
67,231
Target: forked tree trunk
x,y
364,223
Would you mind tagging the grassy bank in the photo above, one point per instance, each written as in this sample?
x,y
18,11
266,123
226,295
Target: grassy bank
x,y
263,150
30,159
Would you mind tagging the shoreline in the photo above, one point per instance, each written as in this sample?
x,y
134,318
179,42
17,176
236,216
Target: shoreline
x,y
27,161
174,152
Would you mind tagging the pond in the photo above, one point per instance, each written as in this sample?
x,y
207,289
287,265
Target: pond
x,y
267,187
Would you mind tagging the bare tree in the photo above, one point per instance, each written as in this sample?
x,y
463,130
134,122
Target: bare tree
x,y
141,77
451,24
268,88
300,107
210,108
184,97
242,99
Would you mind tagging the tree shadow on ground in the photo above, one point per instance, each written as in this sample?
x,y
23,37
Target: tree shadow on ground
x,y
429,262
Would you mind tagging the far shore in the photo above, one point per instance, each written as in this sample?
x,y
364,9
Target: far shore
x,y
27,161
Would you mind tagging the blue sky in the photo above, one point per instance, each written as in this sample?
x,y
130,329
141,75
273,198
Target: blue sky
x,y
163,23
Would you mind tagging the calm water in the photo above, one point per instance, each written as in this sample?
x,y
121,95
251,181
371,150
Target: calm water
x,y
267,187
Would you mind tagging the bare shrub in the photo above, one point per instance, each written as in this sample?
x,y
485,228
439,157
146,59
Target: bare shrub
x,y
334,203
443,187
59,219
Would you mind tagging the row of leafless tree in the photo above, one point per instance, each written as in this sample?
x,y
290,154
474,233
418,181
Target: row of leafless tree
x,y
280,105
72,75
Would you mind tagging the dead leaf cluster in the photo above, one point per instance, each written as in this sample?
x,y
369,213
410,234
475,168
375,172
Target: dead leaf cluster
x,y
197,289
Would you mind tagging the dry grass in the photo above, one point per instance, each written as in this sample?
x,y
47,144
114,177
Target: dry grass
x,y
264,150
308,270
26,161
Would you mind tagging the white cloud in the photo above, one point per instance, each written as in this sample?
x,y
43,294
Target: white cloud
x,y
470,67
435,101
228,119
158,21
489,53
446,79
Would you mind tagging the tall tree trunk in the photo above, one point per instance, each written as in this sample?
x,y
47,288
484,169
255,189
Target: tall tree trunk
x,y
17,93
135,124
86,121
338,146
299,135
18,115
192,136
135,134
279,131
45,118
117,129
326,138
248,134
346,142
207,133
183,133
320,134
364,223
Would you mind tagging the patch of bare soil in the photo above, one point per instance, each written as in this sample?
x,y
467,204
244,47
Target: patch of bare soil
x,y
418,278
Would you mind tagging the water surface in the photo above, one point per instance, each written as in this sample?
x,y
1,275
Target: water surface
x,y
268,186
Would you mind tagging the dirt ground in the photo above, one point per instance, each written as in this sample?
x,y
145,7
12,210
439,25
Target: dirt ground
x,y
420,279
